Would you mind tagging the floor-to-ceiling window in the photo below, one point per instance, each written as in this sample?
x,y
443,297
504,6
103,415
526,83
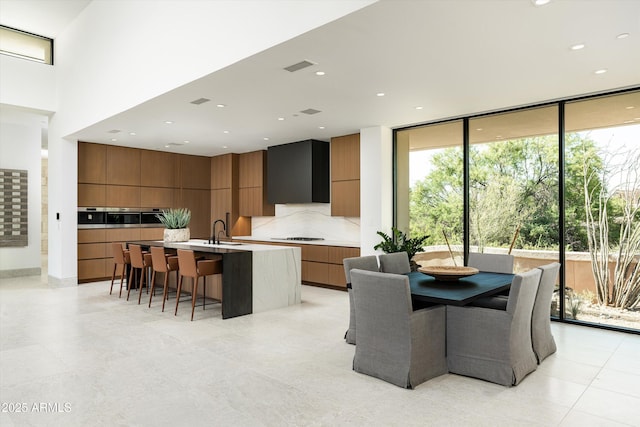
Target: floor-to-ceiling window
x,y
540,194
430,190
602,209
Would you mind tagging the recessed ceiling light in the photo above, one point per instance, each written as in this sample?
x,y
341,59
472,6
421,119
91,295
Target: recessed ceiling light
x,y
166,146
132,133
577,46
168,122
479,129
265,138
380,94
221,105
630,107
628,121
224,146
622,36
186,141
540,2
419,107
601,71
319,73
225,131
114,139
281,118
320,127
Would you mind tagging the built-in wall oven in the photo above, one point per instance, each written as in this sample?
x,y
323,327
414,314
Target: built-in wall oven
x,y
100,217
122,218
91,217
149,217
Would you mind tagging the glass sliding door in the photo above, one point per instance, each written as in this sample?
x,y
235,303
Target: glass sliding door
x,y
514,186
602,209
429,190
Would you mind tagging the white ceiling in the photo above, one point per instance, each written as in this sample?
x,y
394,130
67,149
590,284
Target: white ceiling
x,y
451,58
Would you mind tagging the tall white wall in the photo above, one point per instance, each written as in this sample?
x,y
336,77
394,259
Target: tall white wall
x,y
20,149
376,185
118,54
27,84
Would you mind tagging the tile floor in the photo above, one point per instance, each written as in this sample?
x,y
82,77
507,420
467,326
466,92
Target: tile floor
x,y
80,357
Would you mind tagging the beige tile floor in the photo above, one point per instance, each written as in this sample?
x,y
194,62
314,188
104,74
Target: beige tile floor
x,y
80,357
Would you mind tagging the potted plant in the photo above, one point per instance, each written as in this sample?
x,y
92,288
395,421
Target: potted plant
x,y
176,223
399,242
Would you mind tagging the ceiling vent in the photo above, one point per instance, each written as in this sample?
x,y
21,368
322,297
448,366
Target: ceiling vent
x,y
114,131
200,101
174,144
310,111
299,66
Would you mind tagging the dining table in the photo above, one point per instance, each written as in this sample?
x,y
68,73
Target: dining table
x,y
459,292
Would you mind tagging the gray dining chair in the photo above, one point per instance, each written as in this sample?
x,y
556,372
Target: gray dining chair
x,y
369,263
395,343
491,263
541,336
495,345
396,263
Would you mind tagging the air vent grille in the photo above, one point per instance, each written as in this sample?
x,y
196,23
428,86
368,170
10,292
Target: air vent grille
x,y
114,131
200,101
299,66
310,111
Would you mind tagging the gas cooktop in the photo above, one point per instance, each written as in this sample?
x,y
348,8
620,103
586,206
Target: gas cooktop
x,y
304,239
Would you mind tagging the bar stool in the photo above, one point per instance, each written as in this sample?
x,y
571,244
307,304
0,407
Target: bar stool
x,y
189,268
120,258
162,263
139,261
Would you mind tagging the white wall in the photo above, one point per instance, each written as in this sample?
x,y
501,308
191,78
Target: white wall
x,y
27,84
116,55
376,186
20,149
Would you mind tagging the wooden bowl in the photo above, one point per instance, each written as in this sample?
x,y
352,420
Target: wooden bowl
x,y
447,273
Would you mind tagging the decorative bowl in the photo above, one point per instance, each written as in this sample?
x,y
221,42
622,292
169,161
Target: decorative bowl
x,y
449,273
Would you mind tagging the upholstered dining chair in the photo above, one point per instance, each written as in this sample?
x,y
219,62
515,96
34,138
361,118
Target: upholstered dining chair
x,y
541,336
491,263
139,261
121,262
369,263
189,267
493,344
397,263
395,343
161,263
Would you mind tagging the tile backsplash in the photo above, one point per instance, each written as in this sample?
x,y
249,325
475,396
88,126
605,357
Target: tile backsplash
x,y
306,220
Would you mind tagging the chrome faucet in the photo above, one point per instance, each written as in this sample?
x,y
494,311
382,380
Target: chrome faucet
x,y
216,238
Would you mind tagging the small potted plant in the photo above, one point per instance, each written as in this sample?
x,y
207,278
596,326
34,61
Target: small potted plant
x,y
176,223
399,242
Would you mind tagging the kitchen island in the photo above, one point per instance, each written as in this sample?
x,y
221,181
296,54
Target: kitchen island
x,y
255,277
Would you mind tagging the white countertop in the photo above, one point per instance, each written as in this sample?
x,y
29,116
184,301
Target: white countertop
x,y
301,242
237,246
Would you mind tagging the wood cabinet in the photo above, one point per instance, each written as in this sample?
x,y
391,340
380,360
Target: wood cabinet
x,y
122,196
345,175
156,197
195,172
158,169
92,195
252,191
92,163
225,198
199,202
123,166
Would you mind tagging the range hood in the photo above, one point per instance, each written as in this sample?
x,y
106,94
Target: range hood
x,y
298,172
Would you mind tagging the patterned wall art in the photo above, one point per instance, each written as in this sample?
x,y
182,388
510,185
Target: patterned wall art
x,y
14,222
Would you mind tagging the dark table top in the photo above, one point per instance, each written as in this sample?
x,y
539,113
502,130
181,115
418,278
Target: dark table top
x,y
460,292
